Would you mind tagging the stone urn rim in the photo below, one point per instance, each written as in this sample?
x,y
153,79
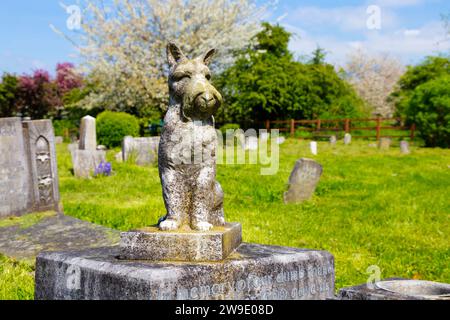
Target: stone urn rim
x,y
419,288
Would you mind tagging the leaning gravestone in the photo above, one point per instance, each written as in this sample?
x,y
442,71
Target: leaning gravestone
x,y
303,181
28,171
404,147
347,138
86,157
142,151
192,253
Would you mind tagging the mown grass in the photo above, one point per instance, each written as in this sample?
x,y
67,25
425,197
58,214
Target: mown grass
x,y
371,207
16,279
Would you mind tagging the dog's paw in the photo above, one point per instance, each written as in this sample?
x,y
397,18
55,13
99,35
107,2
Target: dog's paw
x,y
168,225
202,226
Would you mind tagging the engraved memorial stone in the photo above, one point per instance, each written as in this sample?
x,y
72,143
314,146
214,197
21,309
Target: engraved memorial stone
x,y
384,143
347,138
303,180
333,140
313,147
88,134
15,189
142,151
404,147
28,171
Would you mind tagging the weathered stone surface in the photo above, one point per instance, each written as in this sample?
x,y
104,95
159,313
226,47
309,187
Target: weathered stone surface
x,y
142,151
397,289
154,244
40,141
15,189
251,143
333,140
303,180
119,156
22,239
384,143
59,140
347,138
313,147
254,272
404,147
88,134
28,171
85,161
264,135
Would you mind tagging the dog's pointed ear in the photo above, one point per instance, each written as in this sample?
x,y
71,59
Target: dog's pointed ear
x,y
207,58
174,54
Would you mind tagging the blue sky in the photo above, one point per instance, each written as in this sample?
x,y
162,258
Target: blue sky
x,y
409,30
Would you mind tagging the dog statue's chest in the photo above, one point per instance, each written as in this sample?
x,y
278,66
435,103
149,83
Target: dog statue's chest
x,y
188,142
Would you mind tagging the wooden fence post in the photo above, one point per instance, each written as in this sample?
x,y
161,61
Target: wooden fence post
x,y
292,127
347,126
318,125
378,128
267,125
413,129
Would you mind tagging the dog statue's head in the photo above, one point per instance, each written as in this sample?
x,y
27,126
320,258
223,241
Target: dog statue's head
x,y
189,84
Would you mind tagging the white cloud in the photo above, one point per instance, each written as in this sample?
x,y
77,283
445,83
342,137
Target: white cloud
x,y
408,45
344,18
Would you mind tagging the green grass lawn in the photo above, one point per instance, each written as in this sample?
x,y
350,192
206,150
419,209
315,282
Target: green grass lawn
x,y
371,207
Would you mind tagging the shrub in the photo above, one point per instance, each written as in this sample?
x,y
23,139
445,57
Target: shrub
x,y
64,128
429,109
228,126
113,126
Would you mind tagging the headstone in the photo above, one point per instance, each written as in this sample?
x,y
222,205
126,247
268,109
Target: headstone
x,y
404,147
88,134
347,138
384,143
280,140
86,161
102,147
303,180
119,157
264,136
333,140
397,289
40,140
251,143
59,140
372,145
313,147
142,151
28,171
85,156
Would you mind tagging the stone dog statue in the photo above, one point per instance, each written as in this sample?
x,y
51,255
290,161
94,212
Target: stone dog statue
x,y
187,159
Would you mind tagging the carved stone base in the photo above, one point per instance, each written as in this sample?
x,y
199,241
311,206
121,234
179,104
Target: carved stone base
x,y
252,272
181,245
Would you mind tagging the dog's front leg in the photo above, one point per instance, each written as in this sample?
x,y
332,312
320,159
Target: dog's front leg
x,y
203,198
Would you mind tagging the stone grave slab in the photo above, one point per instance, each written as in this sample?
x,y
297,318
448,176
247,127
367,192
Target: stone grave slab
x,y
22,239
303,180
255,272
142,151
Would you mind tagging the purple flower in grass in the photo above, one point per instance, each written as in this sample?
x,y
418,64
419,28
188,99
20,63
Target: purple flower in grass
x,y
104,168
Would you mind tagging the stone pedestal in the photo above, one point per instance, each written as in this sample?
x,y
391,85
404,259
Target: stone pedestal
x,y
156,245
397,289
253,271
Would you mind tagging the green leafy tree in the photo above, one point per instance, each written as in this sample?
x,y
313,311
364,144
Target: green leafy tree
x,y
431,68
429,109
266,83
8,95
